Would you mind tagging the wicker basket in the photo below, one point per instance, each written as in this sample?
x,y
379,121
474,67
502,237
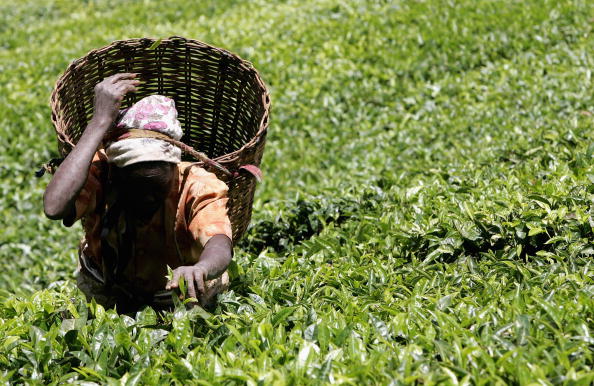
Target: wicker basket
x,y
222,103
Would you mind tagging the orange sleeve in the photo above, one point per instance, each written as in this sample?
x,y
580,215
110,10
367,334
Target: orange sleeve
x,y
206,206
92,191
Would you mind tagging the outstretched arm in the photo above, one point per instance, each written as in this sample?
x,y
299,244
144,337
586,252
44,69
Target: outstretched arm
x,y
62,191
214,260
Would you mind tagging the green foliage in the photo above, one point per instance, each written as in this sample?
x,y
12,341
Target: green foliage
x,y
426,214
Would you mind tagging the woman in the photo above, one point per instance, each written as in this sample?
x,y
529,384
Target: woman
x,y
142,209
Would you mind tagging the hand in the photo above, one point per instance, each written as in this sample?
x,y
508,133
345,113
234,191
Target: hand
x,y
194,275
109,95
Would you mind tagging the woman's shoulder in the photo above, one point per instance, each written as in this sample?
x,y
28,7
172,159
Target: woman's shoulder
x,y
192,173
100,156
194,169
99,166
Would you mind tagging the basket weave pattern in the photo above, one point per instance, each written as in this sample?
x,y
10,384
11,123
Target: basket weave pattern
x,y
222,103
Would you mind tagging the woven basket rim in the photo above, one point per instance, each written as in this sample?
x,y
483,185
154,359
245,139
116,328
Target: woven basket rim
x,y
55,102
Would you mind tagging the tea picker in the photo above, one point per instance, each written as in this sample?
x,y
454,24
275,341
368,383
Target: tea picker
x,y
162,142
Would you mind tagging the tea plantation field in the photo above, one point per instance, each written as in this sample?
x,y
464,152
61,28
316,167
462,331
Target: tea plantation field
x,y
426,215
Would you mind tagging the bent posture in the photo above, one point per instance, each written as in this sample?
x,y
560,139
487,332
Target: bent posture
x,y
141,208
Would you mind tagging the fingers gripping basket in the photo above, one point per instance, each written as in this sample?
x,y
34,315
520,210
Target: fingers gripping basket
x,y
222,104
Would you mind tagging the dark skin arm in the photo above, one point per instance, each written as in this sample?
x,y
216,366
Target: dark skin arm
x,y
214,260
62,191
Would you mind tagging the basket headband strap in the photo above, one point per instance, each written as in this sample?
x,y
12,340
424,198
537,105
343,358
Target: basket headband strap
x,y
140,133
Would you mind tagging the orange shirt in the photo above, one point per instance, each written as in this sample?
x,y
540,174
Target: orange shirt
x,y
194,210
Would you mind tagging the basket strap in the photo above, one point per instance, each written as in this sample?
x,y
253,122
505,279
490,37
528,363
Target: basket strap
x,y
253,170
140,133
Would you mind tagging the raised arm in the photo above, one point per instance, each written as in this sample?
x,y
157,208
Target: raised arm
x,y
62,191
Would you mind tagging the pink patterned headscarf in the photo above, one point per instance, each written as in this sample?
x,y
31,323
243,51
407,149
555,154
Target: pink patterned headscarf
x,y
155,112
